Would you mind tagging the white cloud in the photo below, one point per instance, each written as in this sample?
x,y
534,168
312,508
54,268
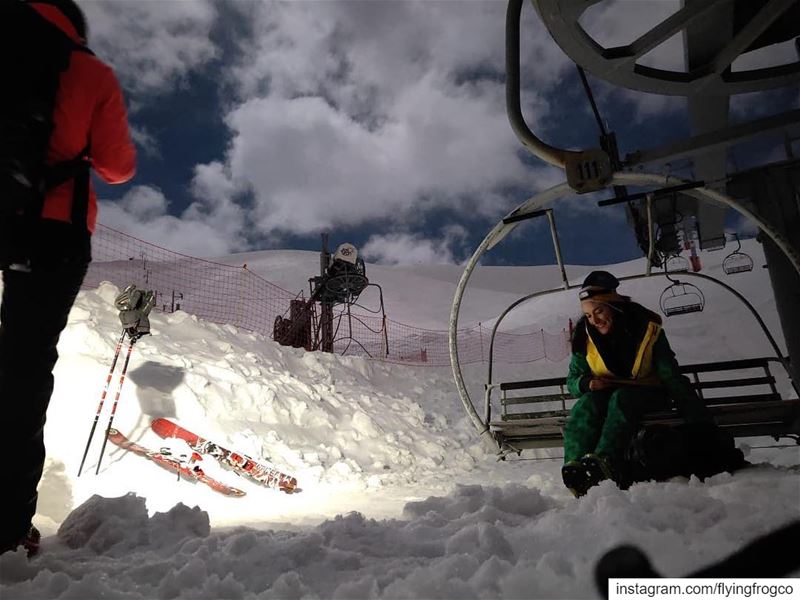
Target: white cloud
x,y
145,141
311,166
212,183
144,203
143,213
355,52
769,56
411,249
743,227
619,22
648,106
151,45
344,116
745,107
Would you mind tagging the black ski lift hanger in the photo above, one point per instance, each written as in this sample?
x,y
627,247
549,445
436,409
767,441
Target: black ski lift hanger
x,y
737,261
657,194
681,298
675,263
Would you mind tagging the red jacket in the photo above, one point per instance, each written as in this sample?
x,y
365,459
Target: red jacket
x,y
90,110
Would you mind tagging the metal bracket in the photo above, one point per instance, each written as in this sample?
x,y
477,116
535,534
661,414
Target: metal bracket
x,y
588,170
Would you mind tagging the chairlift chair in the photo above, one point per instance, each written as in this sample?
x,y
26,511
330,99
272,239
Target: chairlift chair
x,y
681,298
677,264
737,261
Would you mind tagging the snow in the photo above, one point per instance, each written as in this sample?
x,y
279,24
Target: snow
x,y
398,498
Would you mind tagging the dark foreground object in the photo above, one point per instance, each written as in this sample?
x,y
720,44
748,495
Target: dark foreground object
x,y
772,555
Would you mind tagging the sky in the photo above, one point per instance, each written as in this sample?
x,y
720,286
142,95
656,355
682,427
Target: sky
x,y
398,498
261,124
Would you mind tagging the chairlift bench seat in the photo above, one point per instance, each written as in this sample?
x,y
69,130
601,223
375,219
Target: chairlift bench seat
x,y
737,261
681,298
746,406
683,309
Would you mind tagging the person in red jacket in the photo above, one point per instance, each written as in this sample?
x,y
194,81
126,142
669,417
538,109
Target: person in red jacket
x,y
90,128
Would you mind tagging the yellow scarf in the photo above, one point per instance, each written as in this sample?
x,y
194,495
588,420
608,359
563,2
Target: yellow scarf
x,y
642,366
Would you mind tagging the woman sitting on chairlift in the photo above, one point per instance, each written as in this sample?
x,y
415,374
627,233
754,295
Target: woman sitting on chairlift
x,y
621,367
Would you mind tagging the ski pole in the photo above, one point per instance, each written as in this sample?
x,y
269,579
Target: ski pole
x,y
102,400
116,401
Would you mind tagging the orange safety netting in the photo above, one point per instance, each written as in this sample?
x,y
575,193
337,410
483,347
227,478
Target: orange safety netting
x,y
226,294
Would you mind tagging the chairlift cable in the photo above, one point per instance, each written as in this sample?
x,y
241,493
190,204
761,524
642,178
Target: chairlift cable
x,y
590,96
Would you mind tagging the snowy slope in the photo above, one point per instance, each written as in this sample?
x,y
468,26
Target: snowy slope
x,y
436,516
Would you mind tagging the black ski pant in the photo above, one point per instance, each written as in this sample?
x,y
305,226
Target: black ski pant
x,y
34,311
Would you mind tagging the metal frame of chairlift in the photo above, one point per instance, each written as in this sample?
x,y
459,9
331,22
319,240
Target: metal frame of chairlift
x,y
594,169
498,440
680,298
674,262
689,288
737,261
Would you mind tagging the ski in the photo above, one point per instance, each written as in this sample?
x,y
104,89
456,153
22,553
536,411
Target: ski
x,y
259,472
162,459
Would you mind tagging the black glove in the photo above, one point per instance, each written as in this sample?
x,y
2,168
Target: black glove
x,y
134,306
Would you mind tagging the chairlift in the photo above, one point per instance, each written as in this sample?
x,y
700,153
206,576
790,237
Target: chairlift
x,y
737,261
677,264
681,298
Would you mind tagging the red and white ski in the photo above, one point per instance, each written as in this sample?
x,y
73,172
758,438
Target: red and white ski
x,y
192,473
264,474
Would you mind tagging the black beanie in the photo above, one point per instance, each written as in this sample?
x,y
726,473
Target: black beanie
x,y
598,282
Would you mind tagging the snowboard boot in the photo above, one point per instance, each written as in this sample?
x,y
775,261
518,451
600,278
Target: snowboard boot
x,y
581,475
575,478
598,468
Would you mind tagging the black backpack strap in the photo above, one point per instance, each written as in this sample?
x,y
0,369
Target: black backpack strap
x,y
80,194
77,169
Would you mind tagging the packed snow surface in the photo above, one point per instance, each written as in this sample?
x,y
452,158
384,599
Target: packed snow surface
x,y
398,499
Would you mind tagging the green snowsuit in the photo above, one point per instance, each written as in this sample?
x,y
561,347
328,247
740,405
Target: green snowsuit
x,y
603,421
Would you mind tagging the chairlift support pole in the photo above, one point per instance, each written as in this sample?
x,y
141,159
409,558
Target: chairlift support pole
x,y
553,233
557,247
650,232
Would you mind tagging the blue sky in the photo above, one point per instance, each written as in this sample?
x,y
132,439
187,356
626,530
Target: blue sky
x,y
261,124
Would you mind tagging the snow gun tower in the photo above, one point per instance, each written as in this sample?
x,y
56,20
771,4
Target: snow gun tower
x,y
341,281
668,212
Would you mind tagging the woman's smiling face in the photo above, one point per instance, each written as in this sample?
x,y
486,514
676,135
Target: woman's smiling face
x,y
599,315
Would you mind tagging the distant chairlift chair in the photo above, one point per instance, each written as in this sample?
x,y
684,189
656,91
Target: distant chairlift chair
x,y
677,264
737,261
681,298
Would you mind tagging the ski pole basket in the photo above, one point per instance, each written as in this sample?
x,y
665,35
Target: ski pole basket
x,y
681,298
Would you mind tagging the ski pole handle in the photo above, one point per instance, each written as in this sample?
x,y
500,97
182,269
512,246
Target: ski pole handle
x,y
102,400
116,401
